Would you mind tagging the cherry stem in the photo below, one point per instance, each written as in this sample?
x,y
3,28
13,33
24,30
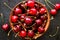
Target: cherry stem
x,y
44,23
22,26
52,18
9,32
2,17
7,6
47,4
38,0
50,2
55,33
16,34
30,39
33,25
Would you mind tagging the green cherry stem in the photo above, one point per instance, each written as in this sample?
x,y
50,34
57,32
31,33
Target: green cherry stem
x,y
50,8
50,2
22,26
33,25
16,34
1,15
9,32
55,33
30,38
47,4
51,18
38,0
7,5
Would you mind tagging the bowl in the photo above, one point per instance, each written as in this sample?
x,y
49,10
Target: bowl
x,y
47,21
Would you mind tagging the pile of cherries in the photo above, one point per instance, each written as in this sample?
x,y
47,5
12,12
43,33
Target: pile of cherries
x,y
28,18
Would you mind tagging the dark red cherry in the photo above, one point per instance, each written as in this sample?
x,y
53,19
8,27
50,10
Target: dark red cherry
x,y
28,20
30,33
38,21
42,10
34,27
37,6
5,27
43,18
17,28
18,11
41,29
33,11
22,33
30,3
53,12
57,6
22,16
14,18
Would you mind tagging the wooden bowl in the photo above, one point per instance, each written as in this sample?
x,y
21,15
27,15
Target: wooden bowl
x,y
47,23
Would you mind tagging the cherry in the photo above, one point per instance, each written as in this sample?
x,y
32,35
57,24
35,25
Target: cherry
x,y
5,27
38,21
28,20
22,17
42,10
40,29
57,6
30,3
18,11
30,33
14,18
37,6
53,12
22,33
32,11
16,28
43,18
34,27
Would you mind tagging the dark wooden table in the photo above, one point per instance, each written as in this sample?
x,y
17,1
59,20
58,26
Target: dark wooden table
x,y
6,11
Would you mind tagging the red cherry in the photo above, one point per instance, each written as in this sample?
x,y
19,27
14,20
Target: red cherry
x,y
28,20
22,16
43,18
57,6
34,27
18,11
42,10
37,6
53,12
30,3
22,33
33,11
40,29
14,19
38,21
16,28
30,33
5,27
